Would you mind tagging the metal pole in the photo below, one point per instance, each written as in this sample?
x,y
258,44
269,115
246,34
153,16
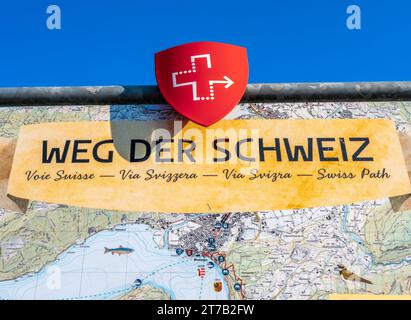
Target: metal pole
x,y
281,92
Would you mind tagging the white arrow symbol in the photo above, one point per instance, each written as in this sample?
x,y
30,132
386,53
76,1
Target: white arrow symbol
x,y
227,81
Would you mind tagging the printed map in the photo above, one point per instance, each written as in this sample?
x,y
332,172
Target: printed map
x,y
60,252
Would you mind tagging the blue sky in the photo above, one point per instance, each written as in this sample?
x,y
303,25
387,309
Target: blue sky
x,y
112,42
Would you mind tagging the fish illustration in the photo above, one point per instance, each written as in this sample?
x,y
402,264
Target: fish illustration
x,y
120,250
348,275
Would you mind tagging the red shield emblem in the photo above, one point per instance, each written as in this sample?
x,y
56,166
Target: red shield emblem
x,y
201,272
189,252
218,286
202,80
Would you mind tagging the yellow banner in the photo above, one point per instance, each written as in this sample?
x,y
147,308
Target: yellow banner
x,y
237,165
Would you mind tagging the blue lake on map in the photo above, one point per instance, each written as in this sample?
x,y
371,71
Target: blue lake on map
x,y
86,272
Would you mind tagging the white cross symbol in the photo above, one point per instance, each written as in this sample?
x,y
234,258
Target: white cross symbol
x,y
228,82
